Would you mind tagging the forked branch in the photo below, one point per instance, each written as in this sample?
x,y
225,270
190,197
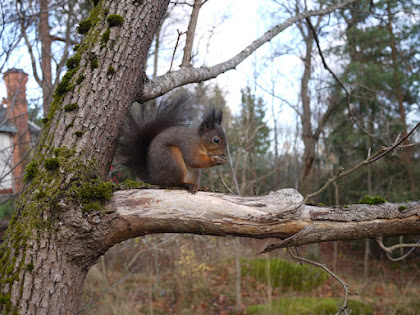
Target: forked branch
x,y
389,250
165,83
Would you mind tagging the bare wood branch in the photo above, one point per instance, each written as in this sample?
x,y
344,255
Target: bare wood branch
x,y
176,46
169,81
280,215
179,2
389,250
64,40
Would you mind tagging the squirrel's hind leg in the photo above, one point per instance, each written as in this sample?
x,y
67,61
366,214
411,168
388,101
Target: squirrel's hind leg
x,y
170,169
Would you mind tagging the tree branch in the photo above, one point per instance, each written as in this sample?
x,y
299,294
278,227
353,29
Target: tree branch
x,y
345,286
389,250
370,159
132,213
176,46
28,44
169,81
186,59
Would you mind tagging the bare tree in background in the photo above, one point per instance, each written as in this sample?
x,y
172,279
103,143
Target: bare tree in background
x,y
47,29
66,218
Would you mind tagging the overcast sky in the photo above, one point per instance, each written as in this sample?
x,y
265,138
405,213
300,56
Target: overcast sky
x,y
224,29
234,25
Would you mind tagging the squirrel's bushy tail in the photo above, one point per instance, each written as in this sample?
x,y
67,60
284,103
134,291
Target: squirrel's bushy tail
x,y
145,123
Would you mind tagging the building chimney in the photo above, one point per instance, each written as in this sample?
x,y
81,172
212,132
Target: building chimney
x,y
15,80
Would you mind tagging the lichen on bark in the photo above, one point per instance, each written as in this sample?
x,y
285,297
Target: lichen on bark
x,y
49,237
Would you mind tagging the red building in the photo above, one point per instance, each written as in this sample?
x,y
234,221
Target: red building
x,y
16,133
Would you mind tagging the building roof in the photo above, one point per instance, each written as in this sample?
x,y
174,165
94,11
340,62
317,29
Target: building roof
x,y
5,124
8,126
14,70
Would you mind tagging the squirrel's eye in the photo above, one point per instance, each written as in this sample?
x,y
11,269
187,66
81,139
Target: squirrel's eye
x,y
216,140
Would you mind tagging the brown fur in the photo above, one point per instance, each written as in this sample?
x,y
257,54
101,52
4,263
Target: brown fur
x,y
171,152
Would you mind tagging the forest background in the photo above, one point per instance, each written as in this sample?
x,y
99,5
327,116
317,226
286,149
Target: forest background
x,y
289,124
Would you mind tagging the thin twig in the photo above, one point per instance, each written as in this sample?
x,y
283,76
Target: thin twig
x,y
297,253
284,243
370,159
176,46
345,285
226,186
389,250
408,145
395,144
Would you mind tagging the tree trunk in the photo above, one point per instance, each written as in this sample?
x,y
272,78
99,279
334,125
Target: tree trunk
x,y
45,38
309,141
400,97
43,280
369,184
51,242
307,134
64,222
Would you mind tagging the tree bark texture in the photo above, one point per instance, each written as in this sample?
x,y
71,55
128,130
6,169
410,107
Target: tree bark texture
x,y
51,243
54,237
280,215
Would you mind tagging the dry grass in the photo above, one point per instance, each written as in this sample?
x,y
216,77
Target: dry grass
x,y
185,274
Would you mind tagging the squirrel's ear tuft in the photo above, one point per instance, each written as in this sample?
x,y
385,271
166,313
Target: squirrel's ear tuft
x,y
218,116
208,122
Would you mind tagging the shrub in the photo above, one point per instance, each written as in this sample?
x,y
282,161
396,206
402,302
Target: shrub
x,y
284,274
6,209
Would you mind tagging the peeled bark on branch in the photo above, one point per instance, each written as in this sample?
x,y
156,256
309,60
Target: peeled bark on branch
x,y
280,215
56,236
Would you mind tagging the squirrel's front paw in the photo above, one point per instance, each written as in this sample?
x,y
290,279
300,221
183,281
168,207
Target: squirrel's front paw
x,y
192,188
218,159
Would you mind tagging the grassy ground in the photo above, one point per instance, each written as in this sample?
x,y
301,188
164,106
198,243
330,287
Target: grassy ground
x,y
183,274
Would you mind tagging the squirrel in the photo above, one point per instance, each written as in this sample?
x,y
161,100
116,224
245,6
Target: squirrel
x,y
161,146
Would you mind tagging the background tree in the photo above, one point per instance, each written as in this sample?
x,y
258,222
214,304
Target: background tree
x,y
371,74
66,218
47,30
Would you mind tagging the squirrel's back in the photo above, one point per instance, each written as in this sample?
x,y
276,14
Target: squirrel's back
x,y
144,124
